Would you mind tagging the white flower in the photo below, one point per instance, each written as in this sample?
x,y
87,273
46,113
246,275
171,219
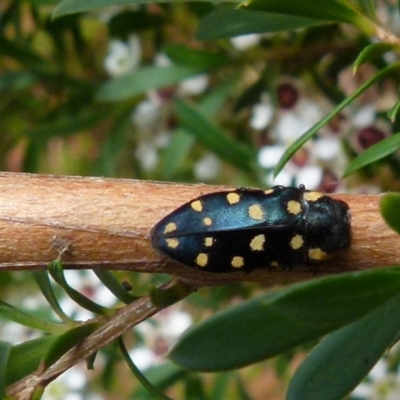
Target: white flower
x,y
207,168
146,114
194,86
143,357
244,42
310,176
365,116
289,127
268,156
261,115
327,148
147,155
162,60
123,57
285,178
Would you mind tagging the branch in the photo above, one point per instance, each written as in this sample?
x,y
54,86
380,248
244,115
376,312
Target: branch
x,y
105,224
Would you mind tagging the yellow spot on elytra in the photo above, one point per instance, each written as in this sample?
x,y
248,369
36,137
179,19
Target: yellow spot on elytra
x,y
208,241
293,207
268,191
202,259
256,212
274,264
197,205
312,196
172,243
233,198
296,242
257,243
237,262
317,254
207,221
170,227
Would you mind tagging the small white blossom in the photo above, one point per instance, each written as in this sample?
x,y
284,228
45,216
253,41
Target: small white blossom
x,y
147,155
261,115
365,116
207,168
143,357
310,176
244,42
327,148
268,156
123,57
146,114
194,86
285,178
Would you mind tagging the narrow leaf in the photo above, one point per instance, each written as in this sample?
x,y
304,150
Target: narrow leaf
x,y
74,6
374,153
114,286
393,112
279,321
43,281
226,21
25,357
67,341
390,210
328,10
371,52
143,80
183,55
182,141
11,313
213,138
57,273
138,374
5,349
339,362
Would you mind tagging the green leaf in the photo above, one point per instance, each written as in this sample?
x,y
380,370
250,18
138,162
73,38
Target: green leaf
x,y
225,22
184,55
389,206
75,6
162,377
115,286
11,313
20,53
5,349
328,10
43,281
67,124
374,153
368,8
176,152
58,347
57,273
392,113
340,361
25,357
138,374
371,52
213,138
392,69
143,80
279,321
182,141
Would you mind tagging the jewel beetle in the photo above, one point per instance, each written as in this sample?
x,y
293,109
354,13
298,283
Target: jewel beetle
x,y
245,229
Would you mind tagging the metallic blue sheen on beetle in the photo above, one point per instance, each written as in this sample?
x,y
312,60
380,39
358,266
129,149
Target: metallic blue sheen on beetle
x,y
246,229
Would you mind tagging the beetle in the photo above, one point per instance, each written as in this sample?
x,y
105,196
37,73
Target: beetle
x,y
245,229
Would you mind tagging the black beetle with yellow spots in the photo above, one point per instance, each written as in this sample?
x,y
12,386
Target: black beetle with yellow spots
x,y
246,229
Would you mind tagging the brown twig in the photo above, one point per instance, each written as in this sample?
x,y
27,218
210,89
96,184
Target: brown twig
x,y
99,223
126,318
